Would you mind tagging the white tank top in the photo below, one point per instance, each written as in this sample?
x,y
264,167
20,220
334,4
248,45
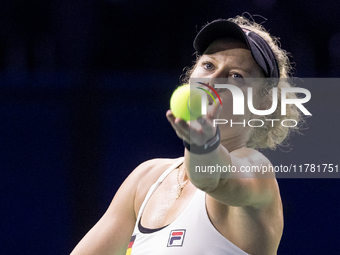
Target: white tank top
x,y
191,233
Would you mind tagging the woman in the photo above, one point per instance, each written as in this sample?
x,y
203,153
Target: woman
x,y
163,208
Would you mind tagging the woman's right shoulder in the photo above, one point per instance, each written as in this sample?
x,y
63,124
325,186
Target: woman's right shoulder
x,y
146,174
149,171
113,231
154,167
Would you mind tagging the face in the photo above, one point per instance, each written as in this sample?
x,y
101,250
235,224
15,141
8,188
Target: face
x,y
231,60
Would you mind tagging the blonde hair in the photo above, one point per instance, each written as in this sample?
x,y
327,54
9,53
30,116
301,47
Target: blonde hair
x,y
270,135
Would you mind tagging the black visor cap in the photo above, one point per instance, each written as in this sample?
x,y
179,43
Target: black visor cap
x,y
260,50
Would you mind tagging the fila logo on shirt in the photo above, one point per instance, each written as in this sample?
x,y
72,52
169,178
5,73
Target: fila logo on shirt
x,y
176,237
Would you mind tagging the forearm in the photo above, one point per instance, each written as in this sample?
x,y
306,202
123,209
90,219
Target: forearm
x,y
205,180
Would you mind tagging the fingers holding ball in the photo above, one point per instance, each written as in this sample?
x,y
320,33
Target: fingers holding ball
x,y
186,102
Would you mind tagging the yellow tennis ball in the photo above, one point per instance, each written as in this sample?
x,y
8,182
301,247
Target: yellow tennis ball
x,y
186,102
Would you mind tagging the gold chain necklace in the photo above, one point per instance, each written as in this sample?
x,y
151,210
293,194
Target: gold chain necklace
x,y
180,187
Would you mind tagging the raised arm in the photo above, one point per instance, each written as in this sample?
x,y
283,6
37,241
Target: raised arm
x,y
234,189
238,188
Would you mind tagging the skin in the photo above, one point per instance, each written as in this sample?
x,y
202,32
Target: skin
x,y
244,209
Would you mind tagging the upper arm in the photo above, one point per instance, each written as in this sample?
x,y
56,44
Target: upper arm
x,y
112,233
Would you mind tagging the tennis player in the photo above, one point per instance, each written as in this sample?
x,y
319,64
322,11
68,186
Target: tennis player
x,y
164,208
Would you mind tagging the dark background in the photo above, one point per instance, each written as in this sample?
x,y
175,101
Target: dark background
x,y
84,88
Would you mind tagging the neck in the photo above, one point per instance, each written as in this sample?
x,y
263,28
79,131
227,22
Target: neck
x,y
182,174
234,142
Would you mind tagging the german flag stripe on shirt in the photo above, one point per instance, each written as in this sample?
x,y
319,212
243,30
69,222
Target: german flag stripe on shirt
x,y
132,240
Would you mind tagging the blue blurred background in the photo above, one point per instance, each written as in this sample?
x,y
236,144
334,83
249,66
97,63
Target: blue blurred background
x,y
84,88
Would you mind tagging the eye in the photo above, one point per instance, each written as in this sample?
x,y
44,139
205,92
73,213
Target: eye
x,y
208,65
237,79
236,76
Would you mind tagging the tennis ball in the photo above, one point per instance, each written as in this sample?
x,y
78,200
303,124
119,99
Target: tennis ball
x,y
186,102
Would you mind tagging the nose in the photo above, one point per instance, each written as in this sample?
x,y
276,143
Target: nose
x,y
218,77
220,73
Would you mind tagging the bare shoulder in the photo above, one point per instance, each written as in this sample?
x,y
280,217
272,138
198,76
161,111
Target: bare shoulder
x,y
147,174
252,204
253,164
269,208
252,156
248,186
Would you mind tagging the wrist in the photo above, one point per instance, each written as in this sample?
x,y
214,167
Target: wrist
x,y
209,146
